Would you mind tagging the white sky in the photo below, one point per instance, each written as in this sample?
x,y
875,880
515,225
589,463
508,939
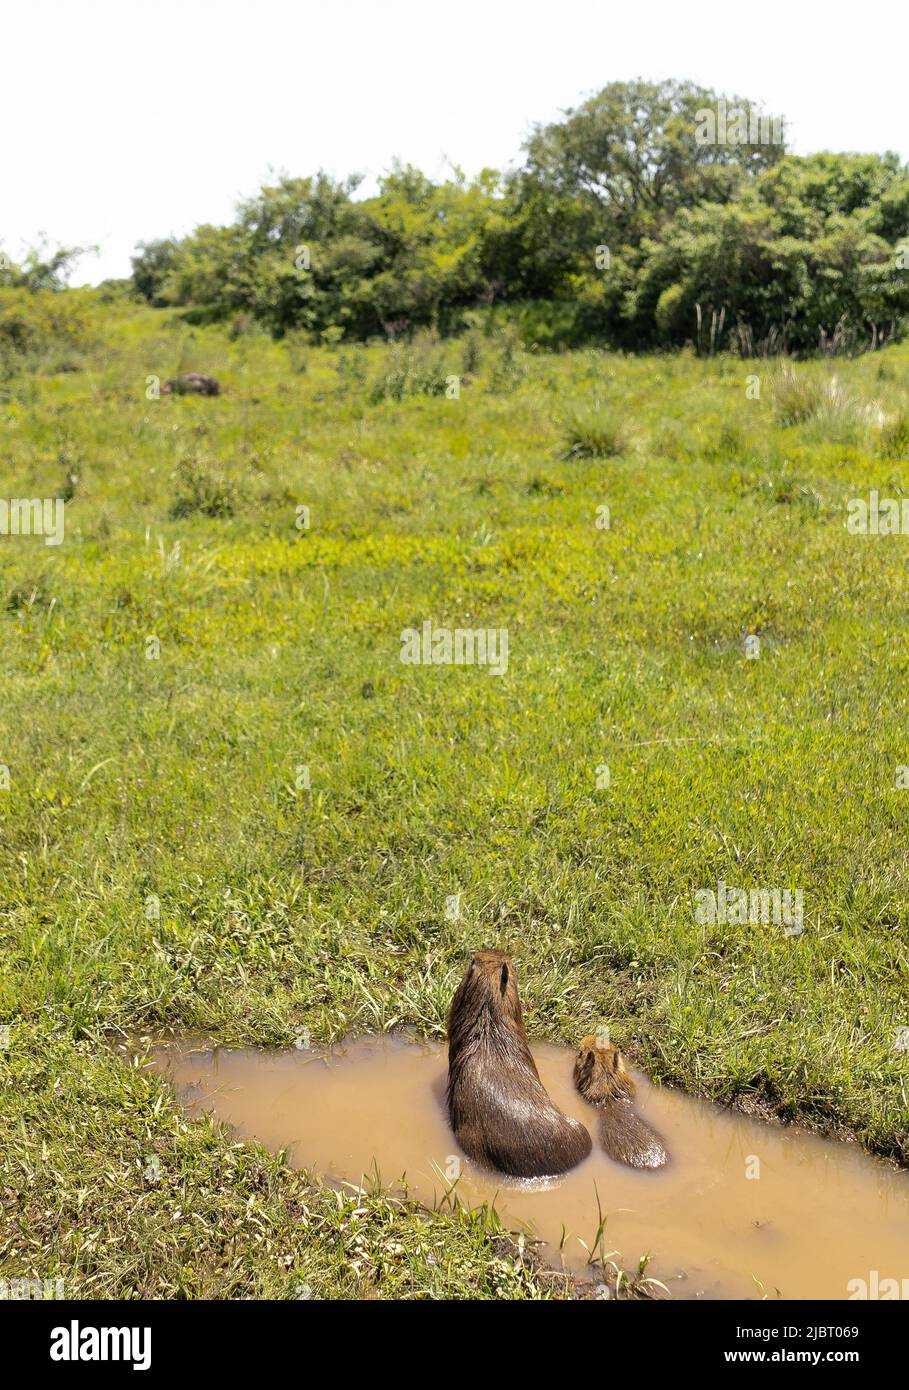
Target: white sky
x,y
124,122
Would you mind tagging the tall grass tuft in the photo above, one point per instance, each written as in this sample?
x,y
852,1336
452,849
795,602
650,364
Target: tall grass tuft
x,y
800,398
894,441
204,488
594,432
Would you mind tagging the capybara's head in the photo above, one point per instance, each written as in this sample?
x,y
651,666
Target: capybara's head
x,y
489,986
600,1072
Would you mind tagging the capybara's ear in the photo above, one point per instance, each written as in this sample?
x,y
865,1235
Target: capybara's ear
x,y
584,1065
504,978
614,1059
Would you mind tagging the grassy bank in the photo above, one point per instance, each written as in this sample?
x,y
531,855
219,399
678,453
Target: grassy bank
x,y
163,863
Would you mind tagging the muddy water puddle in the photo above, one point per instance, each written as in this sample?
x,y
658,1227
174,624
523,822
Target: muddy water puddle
x,y
744,1209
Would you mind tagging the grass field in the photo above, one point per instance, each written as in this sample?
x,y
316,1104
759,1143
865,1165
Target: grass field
x,y
163,863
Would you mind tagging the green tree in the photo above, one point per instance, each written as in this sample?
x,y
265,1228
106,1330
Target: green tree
x,y
632,150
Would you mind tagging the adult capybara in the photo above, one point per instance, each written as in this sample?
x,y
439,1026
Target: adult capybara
x,y
499,1110
192,384
602,1079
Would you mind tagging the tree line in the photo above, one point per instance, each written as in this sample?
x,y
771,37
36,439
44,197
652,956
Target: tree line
x,y
651,215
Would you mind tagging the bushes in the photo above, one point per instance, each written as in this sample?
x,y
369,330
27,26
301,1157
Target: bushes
x,y
620,228
304,254
42,327
415,369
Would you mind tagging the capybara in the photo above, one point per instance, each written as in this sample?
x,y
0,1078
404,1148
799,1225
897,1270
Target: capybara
x,y
499,1110
192,384
602,1079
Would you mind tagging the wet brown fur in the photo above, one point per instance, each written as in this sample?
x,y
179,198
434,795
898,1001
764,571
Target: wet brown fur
x,y
603,1080
499,1110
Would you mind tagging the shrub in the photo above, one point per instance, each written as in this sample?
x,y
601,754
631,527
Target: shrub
x,y
415,370
35,325
471,353
509,366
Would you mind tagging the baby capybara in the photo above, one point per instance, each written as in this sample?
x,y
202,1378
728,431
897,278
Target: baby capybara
x,y
603,1080
499,1110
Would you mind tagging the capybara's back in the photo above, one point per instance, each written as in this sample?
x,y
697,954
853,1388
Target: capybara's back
x,y
499,1109
192,384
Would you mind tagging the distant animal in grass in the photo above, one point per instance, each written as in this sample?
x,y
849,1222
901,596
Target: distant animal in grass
x,y
192,384
602,1078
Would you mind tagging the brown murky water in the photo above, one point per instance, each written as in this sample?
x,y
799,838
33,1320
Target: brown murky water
x,y
812,1216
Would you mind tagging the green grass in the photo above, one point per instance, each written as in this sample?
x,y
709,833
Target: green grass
x,y
162,864
110,1188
